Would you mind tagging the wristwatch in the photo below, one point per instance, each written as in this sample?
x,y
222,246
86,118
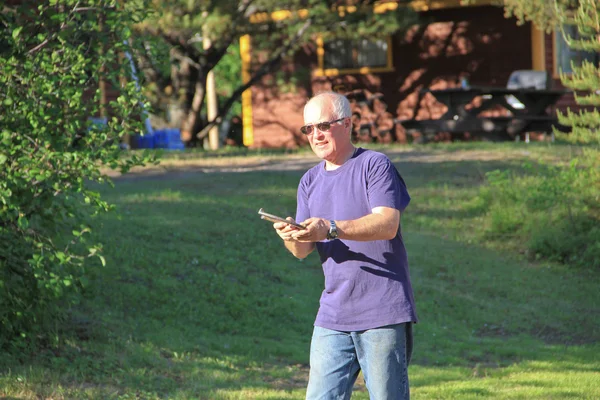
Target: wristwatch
x,y
333,233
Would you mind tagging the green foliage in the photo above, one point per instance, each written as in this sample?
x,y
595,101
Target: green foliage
x,y
222,21
554,211
545,14
284,81
228,75
51,62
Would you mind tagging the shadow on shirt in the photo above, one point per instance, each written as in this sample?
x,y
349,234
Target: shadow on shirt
x,y
340,253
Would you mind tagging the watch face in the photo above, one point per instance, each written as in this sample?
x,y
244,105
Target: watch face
x,y
333,233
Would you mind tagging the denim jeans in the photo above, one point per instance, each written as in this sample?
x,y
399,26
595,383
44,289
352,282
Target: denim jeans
x,y
383,355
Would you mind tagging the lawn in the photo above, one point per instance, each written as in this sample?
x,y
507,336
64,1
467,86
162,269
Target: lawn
x,y
199,299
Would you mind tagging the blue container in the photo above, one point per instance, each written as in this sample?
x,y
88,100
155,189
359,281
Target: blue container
x,y
146,141
169,139
98,122
160,139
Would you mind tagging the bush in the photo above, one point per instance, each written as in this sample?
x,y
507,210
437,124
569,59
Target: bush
x,y
52,58
570,241
553,212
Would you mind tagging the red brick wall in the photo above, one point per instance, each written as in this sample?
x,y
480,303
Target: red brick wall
x,y
277,119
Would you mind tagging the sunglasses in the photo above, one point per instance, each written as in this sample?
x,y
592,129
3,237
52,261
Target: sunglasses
x,y
322,126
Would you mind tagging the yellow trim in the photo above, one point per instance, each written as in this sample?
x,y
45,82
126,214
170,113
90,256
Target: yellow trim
x,y
426,5
363,71
259,18
320,55
384,6
280,15
538,49
390,59
321,71
342,10
247,120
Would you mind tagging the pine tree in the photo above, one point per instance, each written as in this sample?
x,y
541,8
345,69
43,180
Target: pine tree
x,y
584,79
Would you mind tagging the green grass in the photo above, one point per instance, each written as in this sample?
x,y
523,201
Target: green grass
x,y
199,299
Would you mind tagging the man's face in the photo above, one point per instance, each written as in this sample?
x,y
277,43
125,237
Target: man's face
x,y
326,144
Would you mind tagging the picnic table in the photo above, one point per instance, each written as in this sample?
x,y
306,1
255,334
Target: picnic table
x,y
526,111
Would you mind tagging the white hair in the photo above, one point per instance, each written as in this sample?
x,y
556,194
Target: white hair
x,y
339,103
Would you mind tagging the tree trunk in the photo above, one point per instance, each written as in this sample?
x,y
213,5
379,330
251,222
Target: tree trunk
x,y
212,106
263,70
190,123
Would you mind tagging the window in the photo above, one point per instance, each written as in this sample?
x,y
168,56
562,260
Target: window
x,y
354,56
563,55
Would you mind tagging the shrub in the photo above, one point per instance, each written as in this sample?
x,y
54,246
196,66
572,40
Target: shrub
x,y
52,58
551,211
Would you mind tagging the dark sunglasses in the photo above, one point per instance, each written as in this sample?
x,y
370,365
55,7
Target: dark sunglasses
x,y
322,126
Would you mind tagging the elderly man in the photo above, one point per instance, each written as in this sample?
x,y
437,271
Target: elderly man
x,y
350,205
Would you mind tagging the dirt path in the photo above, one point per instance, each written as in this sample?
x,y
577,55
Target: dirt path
x,y
172,167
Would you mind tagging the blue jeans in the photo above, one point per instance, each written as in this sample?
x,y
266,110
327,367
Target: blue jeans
x,y
383,355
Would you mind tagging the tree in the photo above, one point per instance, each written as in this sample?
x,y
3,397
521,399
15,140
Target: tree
x,y
54,57
199,33
584,16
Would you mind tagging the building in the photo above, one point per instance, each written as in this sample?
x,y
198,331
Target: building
x,y
453,42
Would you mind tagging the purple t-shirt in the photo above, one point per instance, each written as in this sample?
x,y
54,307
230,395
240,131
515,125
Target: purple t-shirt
x,y
367,284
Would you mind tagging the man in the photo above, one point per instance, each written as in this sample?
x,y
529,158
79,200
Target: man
x,y
350,205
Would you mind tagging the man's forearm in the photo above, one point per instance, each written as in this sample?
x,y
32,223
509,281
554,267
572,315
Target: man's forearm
x,y
299,249
370,227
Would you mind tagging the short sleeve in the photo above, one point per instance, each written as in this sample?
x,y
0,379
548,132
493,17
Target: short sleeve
x,y
385,186
302,210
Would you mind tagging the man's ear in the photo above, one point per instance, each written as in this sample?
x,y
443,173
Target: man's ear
x,y
348,124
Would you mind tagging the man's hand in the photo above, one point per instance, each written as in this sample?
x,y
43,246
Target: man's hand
x,y
287,232
316,230
284,230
